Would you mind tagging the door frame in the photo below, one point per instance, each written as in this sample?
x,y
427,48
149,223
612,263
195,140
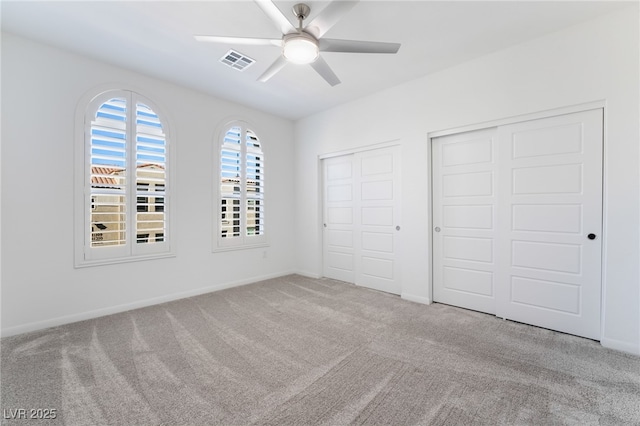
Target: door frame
x,y
601,104
320,192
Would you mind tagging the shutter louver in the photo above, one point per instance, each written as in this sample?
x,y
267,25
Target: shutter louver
x,y
151,161
108,159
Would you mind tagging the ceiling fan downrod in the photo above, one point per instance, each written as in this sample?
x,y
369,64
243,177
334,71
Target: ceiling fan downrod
x,y
301,11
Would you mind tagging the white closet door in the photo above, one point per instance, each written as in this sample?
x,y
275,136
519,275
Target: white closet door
x,y
519,214
551,196
338,235
362,218
464,199
378,205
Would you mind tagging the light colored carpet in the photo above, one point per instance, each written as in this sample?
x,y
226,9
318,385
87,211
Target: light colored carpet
x,y
298,351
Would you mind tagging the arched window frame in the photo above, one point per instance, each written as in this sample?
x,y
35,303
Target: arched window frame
x,y
133,249
250,188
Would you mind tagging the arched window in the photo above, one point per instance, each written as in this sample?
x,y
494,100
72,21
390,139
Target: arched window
x,y
241,218
126,190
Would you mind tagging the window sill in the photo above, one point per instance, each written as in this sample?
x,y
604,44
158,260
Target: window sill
x,y
114,261
240,247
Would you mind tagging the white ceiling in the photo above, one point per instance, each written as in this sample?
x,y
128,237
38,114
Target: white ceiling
x,y
156,38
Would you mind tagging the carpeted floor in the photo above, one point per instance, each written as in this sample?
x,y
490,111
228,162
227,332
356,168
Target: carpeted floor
x,y
298,351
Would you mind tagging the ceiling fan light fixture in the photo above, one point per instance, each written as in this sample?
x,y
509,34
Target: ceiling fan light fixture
x,y
300,48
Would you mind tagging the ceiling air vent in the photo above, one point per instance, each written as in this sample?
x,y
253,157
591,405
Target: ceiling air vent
x,y
237,60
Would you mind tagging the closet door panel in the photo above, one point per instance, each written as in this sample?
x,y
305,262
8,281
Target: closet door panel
x,y
338,244
464,219
552,199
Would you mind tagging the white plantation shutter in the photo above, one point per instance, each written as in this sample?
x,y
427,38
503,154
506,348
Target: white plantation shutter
x,y
151,158
108,177
241,200
230,182
254,188
126,195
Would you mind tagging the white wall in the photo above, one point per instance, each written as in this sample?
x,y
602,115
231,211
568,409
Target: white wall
x,y
597,60
41,87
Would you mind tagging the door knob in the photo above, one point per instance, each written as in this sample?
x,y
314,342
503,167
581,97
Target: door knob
x,y
397,228
437,229
591,236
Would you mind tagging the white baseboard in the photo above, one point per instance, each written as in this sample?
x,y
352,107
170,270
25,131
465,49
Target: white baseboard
x,y
68,319
622,346
417,299
308,274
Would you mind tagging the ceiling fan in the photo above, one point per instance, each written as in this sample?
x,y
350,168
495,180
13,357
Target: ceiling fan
x,y
303,45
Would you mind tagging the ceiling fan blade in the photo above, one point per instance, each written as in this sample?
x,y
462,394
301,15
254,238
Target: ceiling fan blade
x,y
273,69
329,16
240,40
325,71
272,11
354,46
